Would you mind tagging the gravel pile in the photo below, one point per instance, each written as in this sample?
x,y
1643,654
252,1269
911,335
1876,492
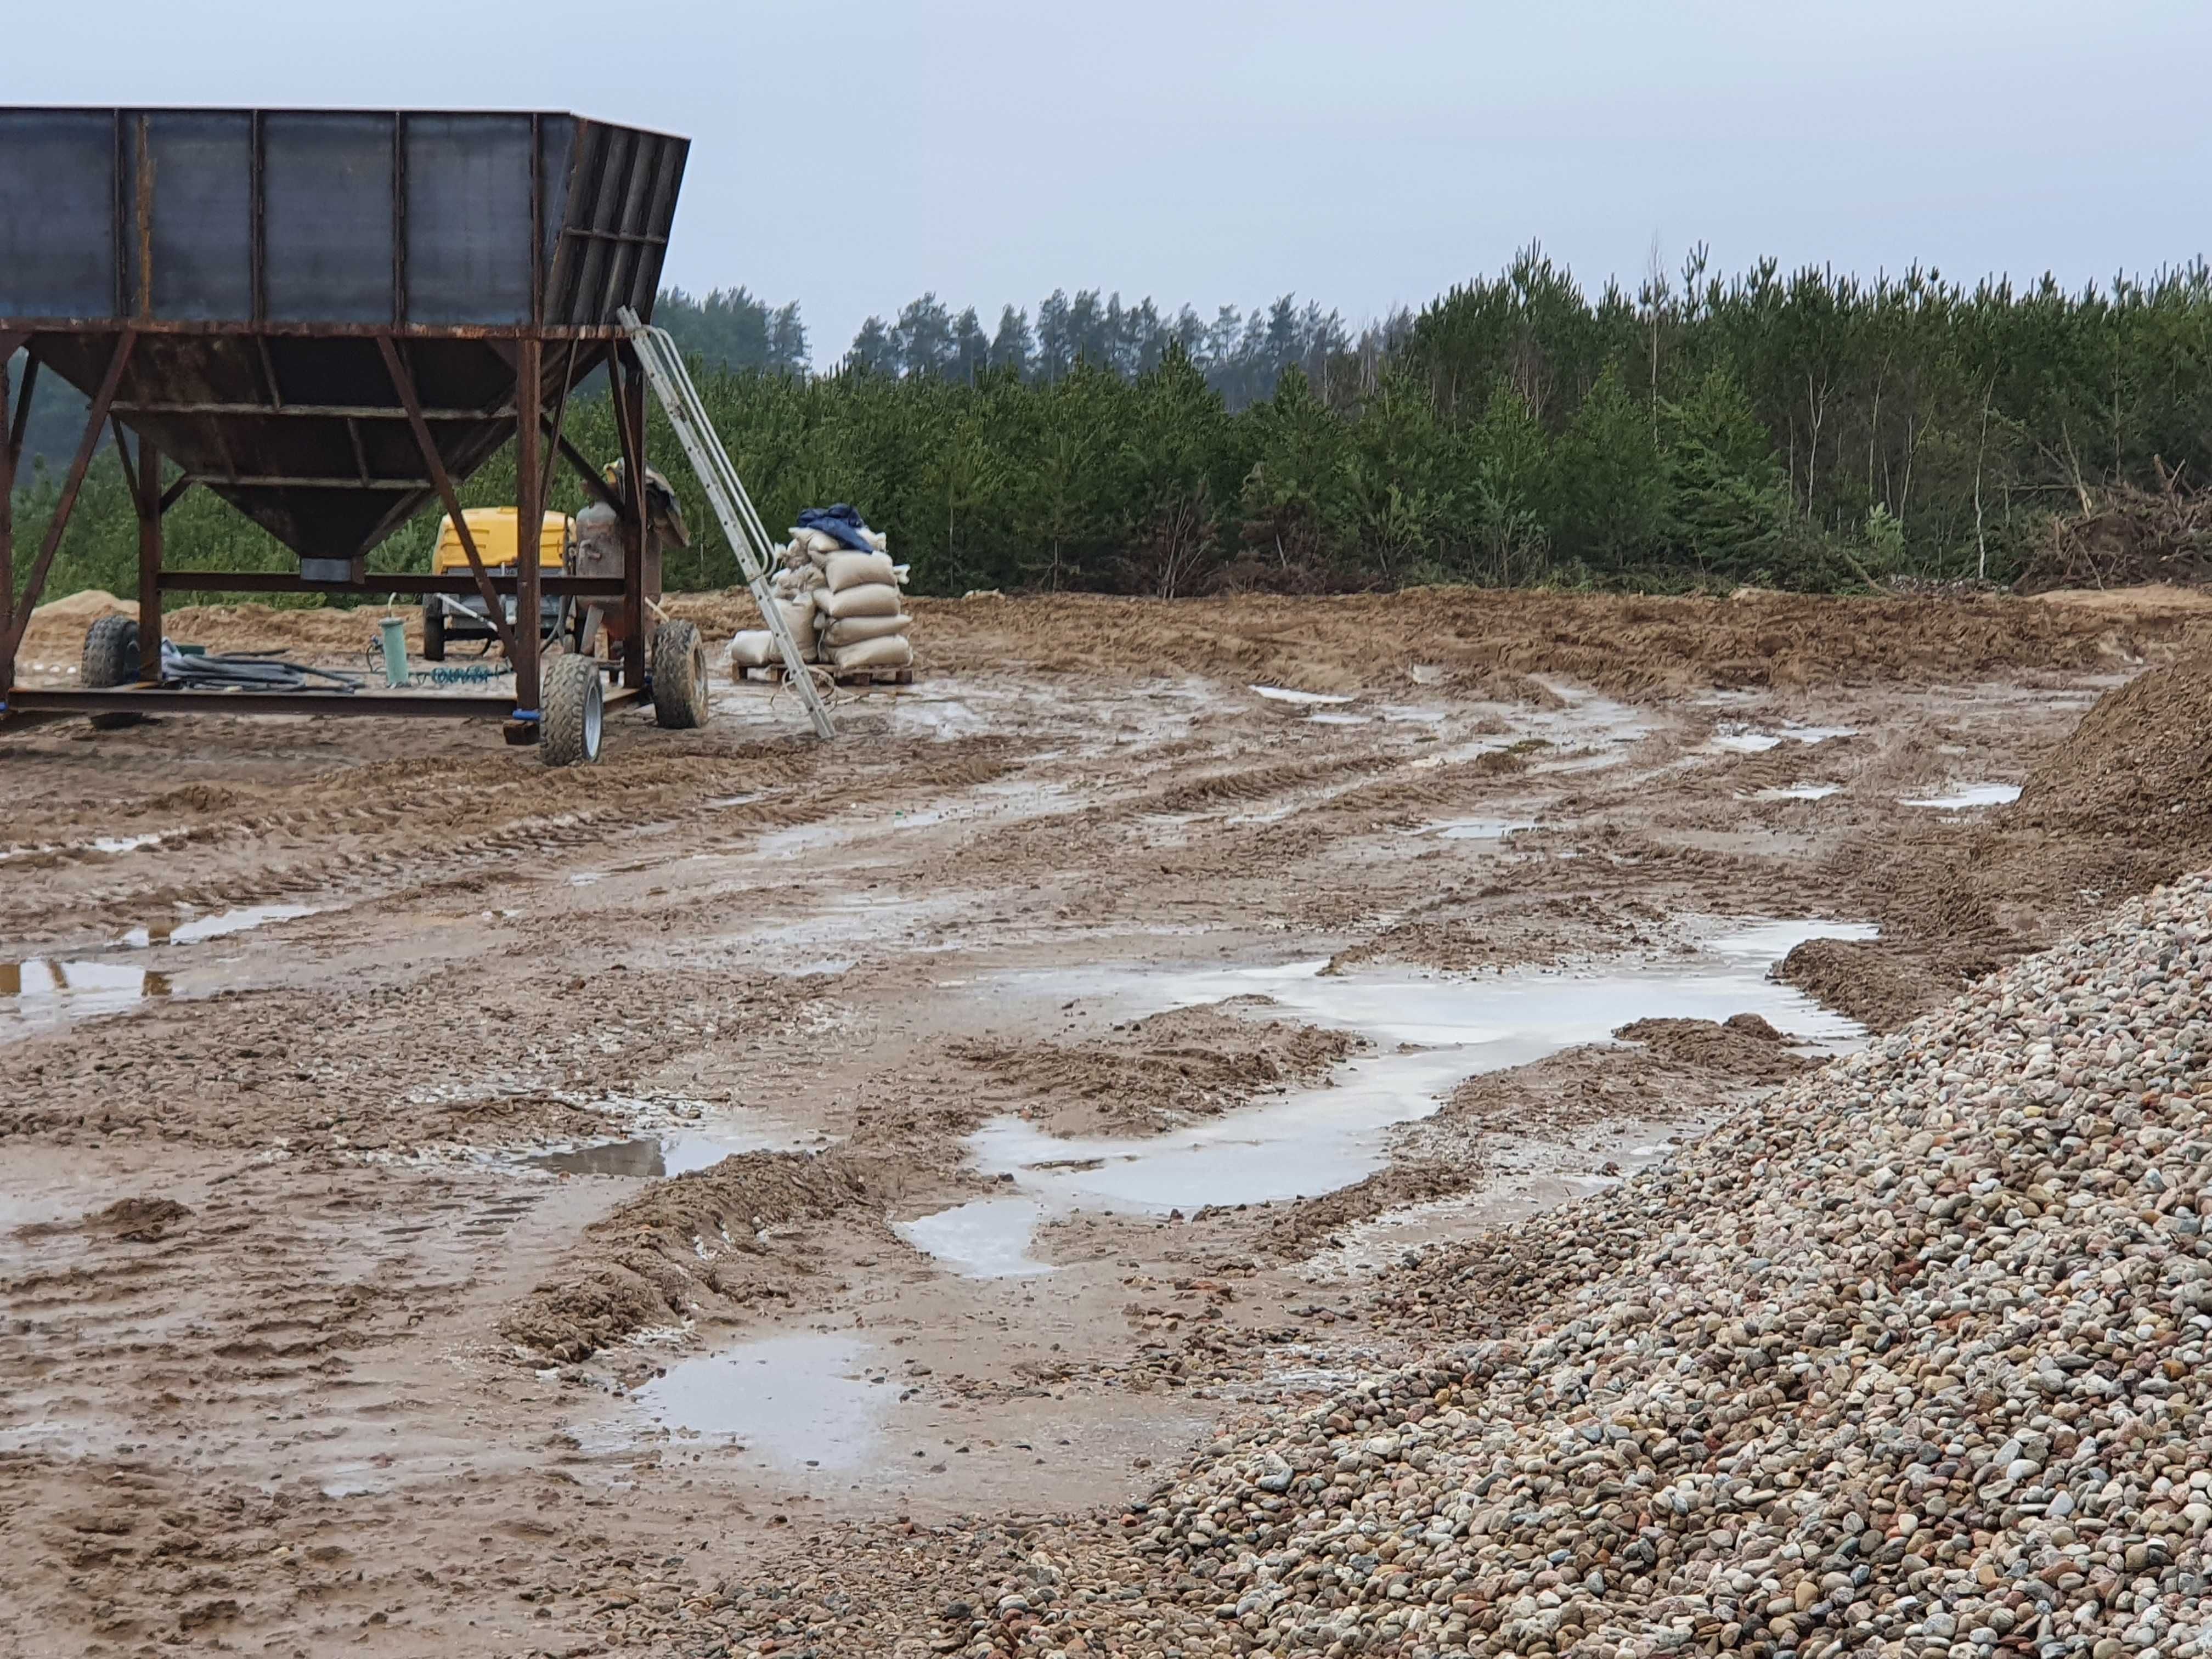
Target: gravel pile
x,y
1909,1358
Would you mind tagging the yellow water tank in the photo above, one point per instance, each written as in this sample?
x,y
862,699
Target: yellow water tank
x,y
494,530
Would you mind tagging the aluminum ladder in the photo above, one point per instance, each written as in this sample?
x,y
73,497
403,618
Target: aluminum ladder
x,y
671,383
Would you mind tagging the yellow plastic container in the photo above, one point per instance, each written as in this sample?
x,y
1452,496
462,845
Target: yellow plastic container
x,y
494,530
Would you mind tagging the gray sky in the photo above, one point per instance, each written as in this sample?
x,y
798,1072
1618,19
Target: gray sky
x,y
852,154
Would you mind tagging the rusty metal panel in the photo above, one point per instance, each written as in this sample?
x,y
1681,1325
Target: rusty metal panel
x,y
469,219
327,213
59,210
192,171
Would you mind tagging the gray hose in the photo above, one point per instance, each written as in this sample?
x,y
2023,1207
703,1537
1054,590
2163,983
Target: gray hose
x,y
243,671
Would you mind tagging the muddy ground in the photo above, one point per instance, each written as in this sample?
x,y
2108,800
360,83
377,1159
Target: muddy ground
x,y
450,1207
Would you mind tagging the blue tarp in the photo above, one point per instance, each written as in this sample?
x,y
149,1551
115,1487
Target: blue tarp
x,y
841,521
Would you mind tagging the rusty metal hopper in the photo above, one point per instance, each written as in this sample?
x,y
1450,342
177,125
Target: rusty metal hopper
x,y
265,267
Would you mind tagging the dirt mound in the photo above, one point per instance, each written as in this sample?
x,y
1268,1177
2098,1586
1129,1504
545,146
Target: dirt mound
x,y
133,1220
2137,769
1161,1070
1867,981
1742,1046
56,635
1620,644
1487,643
1475,642
81,607
716,1240
2121,805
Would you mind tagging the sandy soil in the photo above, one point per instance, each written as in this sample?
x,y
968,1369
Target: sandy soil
x,y
389,1121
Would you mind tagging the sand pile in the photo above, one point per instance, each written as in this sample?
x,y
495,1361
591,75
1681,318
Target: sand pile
x,y
713,1241
1154,1073
2139,764
1910,1359
2123,803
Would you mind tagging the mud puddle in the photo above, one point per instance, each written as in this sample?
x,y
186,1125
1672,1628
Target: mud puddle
x,y
114,846
799,1402
1475,828
1969,795
657,1157
1795,792
1739,739
242,919
1431,1034
38,992
986,1239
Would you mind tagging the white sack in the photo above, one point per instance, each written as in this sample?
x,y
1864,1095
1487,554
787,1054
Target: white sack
x,y
754,648
854,629
876,539
799,618
853,569
893,652
869,599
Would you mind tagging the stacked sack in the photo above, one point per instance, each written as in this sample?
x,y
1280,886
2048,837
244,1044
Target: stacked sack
x,y
842,605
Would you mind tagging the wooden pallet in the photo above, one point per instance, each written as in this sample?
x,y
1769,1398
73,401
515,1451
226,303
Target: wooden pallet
x,y
775,672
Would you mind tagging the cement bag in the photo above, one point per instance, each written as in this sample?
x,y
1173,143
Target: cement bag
x,y
754,648
794,584
892,653
818,542
854,629
799,618
852,569
868,599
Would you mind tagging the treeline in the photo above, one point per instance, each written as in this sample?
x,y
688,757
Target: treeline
x,y
1241,357
1810,430
1807,430
731,330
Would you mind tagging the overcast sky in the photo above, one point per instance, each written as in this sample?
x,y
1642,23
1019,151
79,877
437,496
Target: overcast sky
x,y
851,154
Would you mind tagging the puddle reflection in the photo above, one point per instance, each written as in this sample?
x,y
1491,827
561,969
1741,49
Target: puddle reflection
x,y
39,990
801,1400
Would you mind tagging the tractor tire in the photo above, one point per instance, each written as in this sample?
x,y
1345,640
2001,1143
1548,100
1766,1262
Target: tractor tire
x,y
572,711
111,658
433,630
679,677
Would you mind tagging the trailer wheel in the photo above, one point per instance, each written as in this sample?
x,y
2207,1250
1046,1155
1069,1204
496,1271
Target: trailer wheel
x,y
111,658
434,629
572,711
679,677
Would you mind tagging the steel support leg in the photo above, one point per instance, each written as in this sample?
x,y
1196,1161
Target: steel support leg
x,y
630,421
95,422
529,509
10,433
146,496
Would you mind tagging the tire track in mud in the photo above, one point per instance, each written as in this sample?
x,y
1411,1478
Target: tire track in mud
x,y
394,828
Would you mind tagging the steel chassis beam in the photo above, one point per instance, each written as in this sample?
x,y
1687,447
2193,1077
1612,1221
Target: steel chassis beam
x,y
275,581
151,700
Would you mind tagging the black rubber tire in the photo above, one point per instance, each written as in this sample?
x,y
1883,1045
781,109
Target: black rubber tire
x,y
571,710
111,658
433,633
679,677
